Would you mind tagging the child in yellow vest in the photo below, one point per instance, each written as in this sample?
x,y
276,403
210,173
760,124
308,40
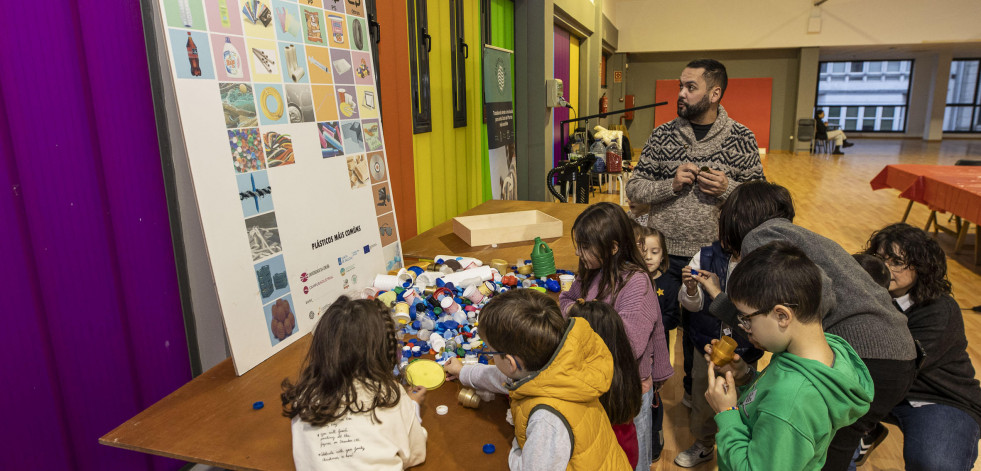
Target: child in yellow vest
x,y
554,371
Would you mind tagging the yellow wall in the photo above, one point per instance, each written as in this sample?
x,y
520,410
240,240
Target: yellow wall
x,y
448,165
573,78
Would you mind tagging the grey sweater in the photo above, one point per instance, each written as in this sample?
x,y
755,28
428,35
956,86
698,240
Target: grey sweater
x,y
689,219
855,308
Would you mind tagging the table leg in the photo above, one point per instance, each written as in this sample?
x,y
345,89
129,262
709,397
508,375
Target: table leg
x,y
620,179
961,234
932,220
908,207
977,244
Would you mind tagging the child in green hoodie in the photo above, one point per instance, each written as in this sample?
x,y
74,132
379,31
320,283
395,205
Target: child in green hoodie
x,y
786,415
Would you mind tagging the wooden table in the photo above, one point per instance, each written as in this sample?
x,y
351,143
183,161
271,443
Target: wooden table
x,y
210,420
945,188
441,240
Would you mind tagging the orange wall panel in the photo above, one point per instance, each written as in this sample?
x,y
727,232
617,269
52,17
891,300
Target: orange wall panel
x,y
393,64
747,100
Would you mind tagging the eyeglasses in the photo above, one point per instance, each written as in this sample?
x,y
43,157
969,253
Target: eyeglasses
x,y
744,318
892,262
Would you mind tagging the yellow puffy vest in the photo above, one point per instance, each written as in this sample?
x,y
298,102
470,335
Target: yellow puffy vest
x,y
570,385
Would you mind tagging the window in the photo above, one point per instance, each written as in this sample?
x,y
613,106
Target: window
x,y
459,51
420,44
963,111
865,96
485,21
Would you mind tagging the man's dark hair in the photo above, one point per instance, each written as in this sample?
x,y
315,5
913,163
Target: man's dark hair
x,y
749,205
875,267
524,323
715,73
778,273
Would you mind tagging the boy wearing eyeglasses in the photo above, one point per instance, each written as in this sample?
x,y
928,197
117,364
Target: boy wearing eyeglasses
x,y
785,416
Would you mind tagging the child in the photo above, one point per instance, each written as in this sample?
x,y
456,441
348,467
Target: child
x,y
815,384
347,386
852,305
875,267
706,275
622,401
652,244
554,371
612,270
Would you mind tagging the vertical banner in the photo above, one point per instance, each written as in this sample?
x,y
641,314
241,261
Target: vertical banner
x,y
280,120
499,112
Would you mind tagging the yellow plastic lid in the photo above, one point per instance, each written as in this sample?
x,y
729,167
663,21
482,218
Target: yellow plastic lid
x,y
425,373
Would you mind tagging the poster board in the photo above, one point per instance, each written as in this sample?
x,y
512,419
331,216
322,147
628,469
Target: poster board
x,y
283,136
499,115
747,100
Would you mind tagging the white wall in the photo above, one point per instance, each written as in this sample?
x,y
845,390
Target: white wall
x,y
609,8
701,25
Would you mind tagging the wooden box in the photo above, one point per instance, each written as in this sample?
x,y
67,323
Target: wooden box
x,y
501,228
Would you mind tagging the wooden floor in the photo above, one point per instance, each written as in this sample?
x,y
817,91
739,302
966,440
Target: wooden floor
x,y
833,197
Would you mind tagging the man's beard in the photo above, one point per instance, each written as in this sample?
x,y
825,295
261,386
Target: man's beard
x,y
693,110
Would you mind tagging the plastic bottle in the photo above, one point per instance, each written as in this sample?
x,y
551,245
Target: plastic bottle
x,y
192,56
185,10
233,60
614,157
223,13
426,322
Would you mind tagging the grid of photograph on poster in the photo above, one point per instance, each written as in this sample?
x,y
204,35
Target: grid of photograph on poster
x,y
294,81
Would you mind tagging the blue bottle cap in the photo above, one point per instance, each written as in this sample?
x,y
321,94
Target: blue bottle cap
x,y
258,405
415,325
488,448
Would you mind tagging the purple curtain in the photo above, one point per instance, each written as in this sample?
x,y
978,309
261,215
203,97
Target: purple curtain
x,y
94,332
560,45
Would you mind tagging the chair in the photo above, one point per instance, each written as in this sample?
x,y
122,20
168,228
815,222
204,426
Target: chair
x,y
821,146
805,134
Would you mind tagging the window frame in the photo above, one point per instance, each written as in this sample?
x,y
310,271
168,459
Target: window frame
x,y
420,46
974,105
846,73
459,52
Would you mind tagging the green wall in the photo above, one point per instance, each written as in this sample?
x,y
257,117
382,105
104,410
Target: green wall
x,y
502,36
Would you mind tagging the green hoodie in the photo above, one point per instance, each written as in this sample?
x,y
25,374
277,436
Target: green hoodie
x,y
788,415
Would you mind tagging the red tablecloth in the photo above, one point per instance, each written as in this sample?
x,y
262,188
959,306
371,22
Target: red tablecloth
x,y
947,188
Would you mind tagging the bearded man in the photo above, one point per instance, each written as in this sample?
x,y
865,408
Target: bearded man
x,y
688,168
